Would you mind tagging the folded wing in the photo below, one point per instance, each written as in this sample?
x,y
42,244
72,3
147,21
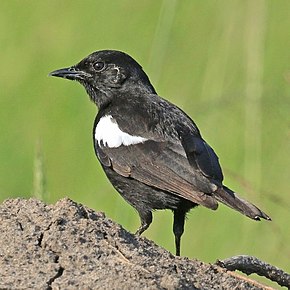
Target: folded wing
x,y
163,165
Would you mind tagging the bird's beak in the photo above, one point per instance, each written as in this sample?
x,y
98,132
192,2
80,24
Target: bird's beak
x,y
71,73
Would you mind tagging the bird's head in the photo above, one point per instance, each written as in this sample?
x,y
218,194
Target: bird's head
x,y
105,73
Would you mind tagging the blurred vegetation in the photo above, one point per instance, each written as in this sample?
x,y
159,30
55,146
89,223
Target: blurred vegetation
x,y
227,63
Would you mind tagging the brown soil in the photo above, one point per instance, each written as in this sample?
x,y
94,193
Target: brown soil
x,y
69,246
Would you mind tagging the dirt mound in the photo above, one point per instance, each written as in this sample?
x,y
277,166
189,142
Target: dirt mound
x,y
69,246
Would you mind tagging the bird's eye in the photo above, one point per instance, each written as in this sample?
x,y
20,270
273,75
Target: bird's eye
x,y
99,65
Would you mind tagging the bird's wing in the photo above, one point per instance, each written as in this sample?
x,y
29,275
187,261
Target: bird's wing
x,y
201,156
161,120
160,146
162,165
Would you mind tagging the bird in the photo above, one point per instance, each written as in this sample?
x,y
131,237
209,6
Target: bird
x,y
151,151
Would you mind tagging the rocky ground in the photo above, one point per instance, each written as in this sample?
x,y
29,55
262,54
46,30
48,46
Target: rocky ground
x,y
69,246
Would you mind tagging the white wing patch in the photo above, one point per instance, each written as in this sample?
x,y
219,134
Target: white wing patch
x,y
108,131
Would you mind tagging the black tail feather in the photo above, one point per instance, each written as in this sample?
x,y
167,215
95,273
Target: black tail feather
x,y
230,198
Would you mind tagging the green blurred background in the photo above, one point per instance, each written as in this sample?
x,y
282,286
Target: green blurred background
x,y
226,63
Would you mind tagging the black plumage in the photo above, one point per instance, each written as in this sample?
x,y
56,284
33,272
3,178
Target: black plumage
x,y
151,151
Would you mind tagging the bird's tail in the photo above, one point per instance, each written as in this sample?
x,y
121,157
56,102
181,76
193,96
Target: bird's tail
x,y
230,198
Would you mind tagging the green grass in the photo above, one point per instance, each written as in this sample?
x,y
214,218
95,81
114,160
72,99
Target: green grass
x,y
225,62
39,179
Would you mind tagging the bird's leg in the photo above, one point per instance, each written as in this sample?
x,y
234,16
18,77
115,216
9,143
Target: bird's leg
x,y
146,219
178,228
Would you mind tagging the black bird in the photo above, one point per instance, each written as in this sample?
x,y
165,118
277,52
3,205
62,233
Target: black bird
x,y
151,151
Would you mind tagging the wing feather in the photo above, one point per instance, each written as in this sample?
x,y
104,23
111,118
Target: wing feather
x,y
162,165
202,157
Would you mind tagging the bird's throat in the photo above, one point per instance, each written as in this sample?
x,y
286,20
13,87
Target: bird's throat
x,y
98,96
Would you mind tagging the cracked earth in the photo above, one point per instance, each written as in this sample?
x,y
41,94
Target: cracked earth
x,y
69,246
